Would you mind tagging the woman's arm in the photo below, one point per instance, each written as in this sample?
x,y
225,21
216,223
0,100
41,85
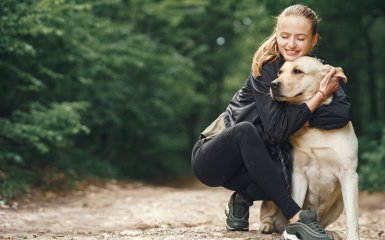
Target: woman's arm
x,y
328,86
279,119
334,115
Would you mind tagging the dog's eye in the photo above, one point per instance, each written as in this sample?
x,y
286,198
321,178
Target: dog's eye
x,y
279,72
297,71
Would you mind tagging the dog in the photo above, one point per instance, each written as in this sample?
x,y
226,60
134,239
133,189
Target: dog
x,y
324,161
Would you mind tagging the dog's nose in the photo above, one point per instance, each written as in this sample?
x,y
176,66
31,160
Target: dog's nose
x,y
275,85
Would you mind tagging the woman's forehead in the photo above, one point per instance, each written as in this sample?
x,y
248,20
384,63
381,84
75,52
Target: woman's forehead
x,y
294,25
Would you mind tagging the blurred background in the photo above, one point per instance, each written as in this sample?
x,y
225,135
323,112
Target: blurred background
x,y
121,89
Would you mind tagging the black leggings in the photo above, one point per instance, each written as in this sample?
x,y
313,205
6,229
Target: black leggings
x,y
239,160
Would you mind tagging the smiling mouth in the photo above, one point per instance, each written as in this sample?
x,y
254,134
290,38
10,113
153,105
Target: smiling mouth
x,y
291,52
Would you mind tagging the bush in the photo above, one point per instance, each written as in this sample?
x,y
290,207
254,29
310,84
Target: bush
x,y
372,159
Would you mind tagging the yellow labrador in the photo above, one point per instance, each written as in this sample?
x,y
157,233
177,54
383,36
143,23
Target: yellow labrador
x,y
324,161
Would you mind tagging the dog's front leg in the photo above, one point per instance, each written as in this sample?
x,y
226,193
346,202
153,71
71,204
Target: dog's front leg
x,y
299,182
349,187
299,187
267,216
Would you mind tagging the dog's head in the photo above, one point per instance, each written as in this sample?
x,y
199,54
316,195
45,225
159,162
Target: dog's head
x,y
299,80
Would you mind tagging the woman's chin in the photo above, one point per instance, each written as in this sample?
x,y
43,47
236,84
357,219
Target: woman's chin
x,y
291,58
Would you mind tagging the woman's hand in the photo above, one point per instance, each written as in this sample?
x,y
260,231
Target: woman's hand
x,y
329,84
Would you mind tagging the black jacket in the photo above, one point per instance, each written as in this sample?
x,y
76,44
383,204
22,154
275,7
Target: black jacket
x,y
254,104
276,121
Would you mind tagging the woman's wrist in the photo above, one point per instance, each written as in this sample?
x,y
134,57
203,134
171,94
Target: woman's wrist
x,y
316,100
323,93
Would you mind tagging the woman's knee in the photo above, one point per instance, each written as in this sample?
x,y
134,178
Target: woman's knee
x,y
208,179
246,130
208,174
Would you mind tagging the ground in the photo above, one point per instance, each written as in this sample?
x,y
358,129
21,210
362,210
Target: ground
x,y
146,211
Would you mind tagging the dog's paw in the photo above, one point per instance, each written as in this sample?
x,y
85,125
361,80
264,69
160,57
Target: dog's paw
x,y
333,235
267,228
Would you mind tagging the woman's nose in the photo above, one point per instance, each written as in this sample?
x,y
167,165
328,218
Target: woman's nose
x,y
292,43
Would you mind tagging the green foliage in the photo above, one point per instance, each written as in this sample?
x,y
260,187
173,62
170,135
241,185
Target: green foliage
x,y
372,158
42,128
33,122
85,92
16,183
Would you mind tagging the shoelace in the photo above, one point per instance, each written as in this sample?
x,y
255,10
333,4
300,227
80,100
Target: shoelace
x,y
316,227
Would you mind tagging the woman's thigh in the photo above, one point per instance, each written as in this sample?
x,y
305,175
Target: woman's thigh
x,y
217,160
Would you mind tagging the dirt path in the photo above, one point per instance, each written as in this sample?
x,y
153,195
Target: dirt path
x,y
139,211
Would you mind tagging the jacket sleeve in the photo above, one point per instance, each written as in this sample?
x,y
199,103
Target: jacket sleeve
x,y
334,115
279,119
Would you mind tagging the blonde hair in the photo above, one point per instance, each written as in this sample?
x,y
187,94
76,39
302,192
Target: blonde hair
x,y
268,51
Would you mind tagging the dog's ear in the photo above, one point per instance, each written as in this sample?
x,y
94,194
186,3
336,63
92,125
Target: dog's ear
x,y
340,73
326,68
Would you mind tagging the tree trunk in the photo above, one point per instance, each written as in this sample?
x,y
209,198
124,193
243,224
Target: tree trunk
x,y
371,74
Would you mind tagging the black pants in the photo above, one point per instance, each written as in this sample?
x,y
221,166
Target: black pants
x,y
239,160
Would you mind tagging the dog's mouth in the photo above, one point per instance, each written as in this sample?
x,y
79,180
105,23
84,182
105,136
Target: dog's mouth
x,y
279,97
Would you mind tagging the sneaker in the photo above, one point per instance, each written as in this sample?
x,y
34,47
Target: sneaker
x,y
306,229
237,212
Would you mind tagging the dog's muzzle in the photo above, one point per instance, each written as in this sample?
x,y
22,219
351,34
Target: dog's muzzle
x,y
274,87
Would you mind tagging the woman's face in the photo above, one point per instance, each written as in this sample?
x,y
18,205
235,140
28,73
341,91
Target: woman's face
x,y
294,37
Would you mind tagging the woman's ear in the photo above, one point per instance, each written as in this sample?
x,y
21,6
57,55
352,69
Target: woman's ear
x,y
315,40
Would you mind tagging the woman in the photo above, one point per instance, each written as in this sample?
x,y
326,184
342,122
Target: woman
x,y
247,150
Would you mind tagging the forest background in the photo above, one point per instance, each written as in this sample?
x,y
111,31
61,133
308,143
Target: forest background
x,y
120,89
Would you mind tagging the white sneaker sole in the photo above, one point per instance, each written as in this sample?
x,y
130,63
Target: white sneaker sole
x,y
289,236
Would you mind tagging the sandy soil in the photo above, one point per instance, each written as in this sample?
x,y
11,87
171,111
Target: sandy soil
x,y
143,211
